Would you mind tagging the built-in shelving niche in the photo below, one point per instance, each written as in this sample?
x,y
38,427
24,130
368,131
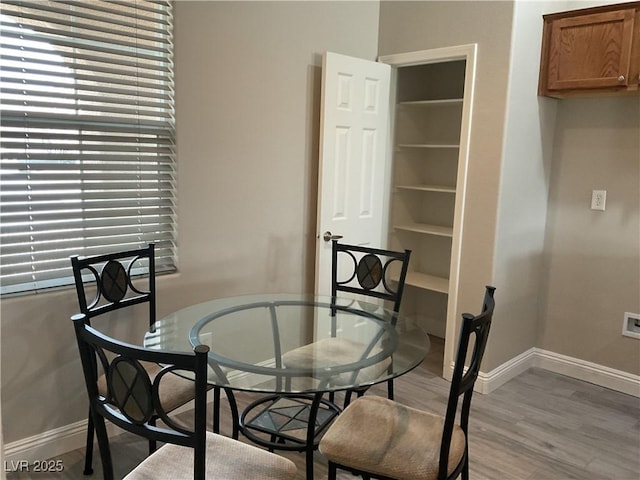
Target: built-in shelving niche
x,y
427,126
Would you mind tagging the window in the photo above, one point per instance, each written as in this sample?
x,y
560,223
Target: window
x,y
87,143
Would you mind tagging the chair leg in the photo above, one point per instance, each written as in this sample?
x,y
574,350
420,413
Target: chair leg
x,y
272,439
347,399
88,455
390,389
235,416
152,443
465,469
332,471
105,451
216,410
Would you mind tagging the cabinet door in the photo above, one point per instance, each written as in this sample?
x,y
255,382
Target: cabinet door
x,y
591,51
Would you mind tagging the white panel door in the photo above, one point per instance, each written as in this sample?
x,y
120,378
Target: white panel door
x,y
352,175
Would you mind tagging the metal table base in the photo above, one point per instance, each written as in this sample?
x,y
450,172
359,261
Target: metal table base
x,y
293,422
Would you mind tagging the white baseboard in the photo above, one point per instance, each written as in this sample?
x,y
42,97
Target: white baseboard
x,y
488,382
51,444
589,372
554,362
61,440
71,437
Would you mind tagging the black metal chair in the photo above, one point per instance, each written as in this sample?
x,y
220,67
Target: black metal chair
x,y
369,272
380,438
114,286
112,278
133,398
359,271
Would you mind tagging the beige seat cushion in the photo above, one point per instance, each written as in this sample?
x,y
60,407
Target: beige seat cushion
x,y
334,351
174,390
227,459
383,437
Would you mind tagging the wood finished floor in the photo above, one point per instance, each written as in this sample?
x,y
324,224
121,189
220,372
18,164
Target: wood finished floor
x,y
538,426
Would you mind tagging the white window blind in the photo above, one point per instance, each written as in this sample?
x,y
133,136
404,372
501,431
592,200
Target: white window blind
x,y
87,135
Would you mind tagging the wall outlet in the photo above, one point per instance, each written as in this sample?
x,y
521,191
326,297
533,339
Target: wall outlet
x,y
598,199
631,325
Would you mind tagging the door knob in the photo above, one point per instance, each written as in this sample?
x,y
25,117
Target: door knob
x,y
621,78
328,236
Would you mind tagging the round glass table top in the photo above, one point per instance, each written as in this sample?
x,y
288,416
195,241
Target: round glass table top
x,y
288,343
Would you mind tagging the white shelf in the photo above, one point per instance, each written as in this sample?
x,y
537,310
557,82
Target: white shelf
x,y
427,145
428,188
428,103
426,229
427,282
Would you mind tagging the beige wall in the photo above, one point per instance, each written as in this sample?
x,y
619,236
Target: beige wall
x,y
42,383
568,273
524,187
248,113
593,258
530,178
411,26
248,96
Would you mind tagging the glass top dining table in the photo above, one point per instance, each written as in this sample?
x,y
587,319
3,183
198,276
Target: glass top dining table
x,y
294,348
253,340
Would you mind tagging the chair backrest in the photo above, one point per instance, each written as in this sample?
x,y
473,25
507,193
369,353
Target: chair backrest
x,y
133,398
112,277
462,382
369,271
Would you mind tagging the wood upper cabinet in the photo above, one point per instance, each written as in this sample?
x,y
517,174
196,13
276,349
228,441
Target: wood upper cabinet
x,y
591,51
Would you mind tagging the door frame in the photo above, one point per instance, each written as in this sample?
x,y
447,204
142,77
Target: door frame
x,y
468,53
